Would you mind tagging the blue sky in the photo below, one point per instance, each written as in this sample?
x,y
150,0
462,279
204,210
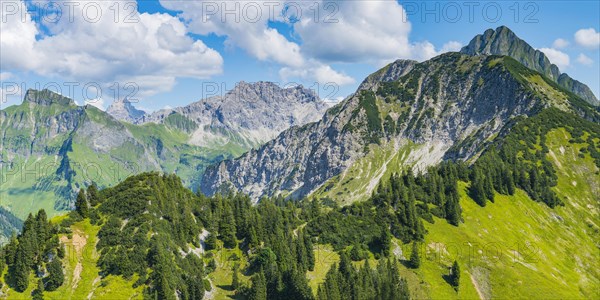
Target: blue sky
x,y
177,52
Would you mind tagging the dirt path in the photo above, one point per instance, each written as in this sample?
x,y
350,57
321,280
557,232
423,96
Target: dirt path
x,y
476,285
75,246
210,294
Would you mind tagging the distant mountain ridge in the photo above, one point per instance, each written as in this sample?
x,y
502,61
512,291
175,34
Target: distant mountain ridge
x,y
50,147
503,41
249,114
124,110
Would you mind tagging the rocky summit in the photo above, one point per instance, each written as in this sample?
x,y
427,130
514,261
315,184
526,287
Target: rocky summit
x,y
503,41
250,114
124,110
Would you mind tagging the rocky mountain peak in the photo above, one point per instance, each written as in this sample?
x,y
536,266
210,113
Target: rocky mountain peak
x,y
46,98
267,91
125,111
503,41
248,115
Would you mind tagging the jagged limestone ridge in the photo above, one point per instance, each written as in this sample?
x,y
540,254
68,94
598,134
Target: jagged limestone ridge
x,y
503,41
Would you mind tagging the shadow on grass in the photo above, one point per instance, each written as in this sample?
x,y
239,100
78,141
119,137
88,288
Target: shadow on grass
x,y
448,280
406,263
225,287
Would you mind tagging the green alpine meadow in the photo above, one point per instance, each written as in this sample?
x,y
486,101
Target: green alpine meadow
x,y
470,173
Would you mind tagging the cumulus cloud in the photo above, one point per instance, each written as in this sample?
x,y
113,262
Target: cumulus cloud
x,y
375,32
244,23
315,71
362,31
98,103
451,46
584,60
588,38
5,76
101,50
560,43
557,57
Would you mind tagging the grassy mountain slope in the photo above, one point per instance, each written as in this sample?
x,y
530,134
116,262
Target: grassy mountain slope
x,y
393,154
514,247
517,248
51,147
452,106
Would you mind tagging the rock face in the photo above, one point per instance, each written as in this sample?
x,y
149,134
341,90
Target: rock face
x,y
124,110
453,104
248,115
503,41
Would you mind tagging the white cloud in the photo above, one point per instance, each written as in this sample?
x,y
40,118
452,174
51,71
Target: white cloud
x,y
364,31
322,74
451,46
5,76
560,43
243,27
152,46
375,32
98,103
557,57
584,60
588,38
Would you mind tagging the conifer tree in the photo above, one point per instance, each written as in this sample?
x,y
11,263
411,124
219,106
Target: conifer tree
x,y
310,254
56,277
21,270
38,293
477,188
415,259
227,228
258,291
332,285
455,275
385,239
81,204
92,195
235,281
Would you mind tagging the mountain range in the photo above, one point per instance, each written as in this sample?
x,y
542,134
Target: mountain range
x,y
50,147
407,114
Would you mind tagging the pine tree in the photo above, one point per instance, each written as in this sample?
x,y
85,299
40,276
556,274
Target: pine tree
x,y
81,204
332,284
321,293
92,194
21,270
56,277
415,259
258,291
235,281
310,254
477,188
38,293
385,238
455,275
227,228
211,241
